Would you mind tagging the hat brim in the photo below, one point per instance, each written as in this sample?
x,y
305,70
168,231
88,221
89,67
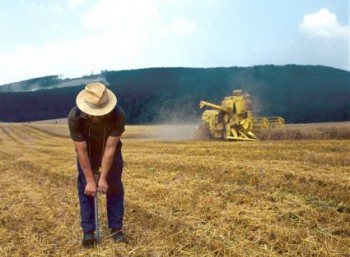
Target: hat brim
x,y
112,102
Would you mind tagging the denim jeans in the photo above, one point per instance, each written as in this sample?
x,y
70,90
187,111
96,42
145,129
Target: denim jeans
x,y
114,196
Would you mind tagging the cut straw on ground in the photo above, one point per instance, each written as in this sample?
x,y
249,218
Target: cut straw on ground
x,y
182,197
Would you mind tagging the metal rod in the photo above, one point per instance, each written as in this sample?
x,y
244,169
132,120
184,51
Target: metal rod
x,y
96,213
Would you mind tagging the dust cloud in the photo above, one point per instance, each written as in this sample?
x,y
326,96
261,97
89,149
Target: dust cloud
x,y
179,123
175,131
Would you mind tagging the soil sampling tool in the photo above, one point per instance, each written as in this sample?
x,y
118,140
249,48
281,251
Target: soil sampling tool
x,y
97,233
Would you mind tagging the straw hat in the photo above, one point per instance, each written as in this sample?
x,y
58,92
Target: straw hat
x,y
96,99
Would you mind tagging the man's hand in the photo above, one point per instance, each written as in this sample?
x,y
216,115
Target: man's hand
x,y
102,185
107,160
91,188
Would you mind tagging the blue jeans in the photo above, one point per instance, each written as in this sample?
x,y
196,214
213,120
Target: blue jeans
x,y
114,196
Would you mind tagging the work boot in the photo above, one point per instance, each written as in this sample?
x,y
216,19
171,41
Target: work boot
x,y
89,239
118,235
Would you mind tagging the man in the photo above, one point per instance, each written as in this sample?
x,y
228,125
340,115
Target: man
x,y
95,125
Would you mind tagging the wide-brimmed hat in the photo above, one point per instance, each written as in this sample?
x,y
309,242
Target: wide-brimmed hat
x,y
96,99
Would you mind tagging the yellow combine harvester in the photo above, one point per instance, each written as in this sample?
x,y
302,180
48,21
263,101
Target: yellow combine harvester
x,y
233,120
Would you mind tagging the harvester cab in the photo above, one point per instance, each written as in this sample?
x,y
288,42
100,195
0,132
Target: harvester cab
x,y
230,121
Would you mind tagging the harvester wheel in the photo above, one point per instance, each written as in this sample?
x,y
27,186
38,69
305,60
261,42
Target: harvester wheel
x,y
224,135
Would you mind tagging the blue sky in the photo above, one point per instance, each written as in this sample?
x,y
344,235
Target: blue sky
x,y
79,37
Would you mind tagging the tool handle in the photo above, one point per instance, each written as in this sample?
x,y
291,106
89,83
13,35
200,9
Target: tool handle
x,y
97,177
96,219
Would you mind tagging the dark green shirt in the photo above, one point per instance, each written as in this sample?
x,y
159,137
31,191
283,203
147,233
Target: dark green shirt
x,y
82,129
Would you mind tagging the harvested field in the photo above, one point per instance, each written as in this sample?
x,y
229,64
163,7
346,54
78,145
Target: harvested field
x,y
313,131
183,197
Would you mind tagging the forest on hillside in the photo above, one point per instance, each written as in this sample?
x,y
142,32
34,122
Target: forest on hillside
x,y
300,94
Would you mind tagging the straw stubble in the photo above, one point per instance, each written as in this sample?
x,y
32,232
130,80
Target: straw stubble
x,y
183,198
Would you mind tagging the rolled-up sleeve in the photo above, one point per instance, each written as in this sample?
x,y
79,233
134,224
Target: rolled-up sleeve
x,y
118,125
73,125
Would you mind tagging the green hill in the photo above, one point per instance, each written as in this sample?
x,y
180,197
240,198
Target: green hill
x,y
300,94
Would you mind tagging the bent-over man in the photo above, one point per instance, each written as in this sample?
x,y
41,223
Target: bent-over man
x,y
96,124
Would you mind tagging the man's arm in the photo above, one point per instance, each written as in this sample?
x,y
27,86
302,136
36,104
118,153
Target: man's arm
x,y
107,160
84,161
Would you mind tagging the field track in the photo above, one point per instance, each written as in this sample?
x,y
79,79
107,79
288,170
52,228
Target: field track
x,y
183,198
